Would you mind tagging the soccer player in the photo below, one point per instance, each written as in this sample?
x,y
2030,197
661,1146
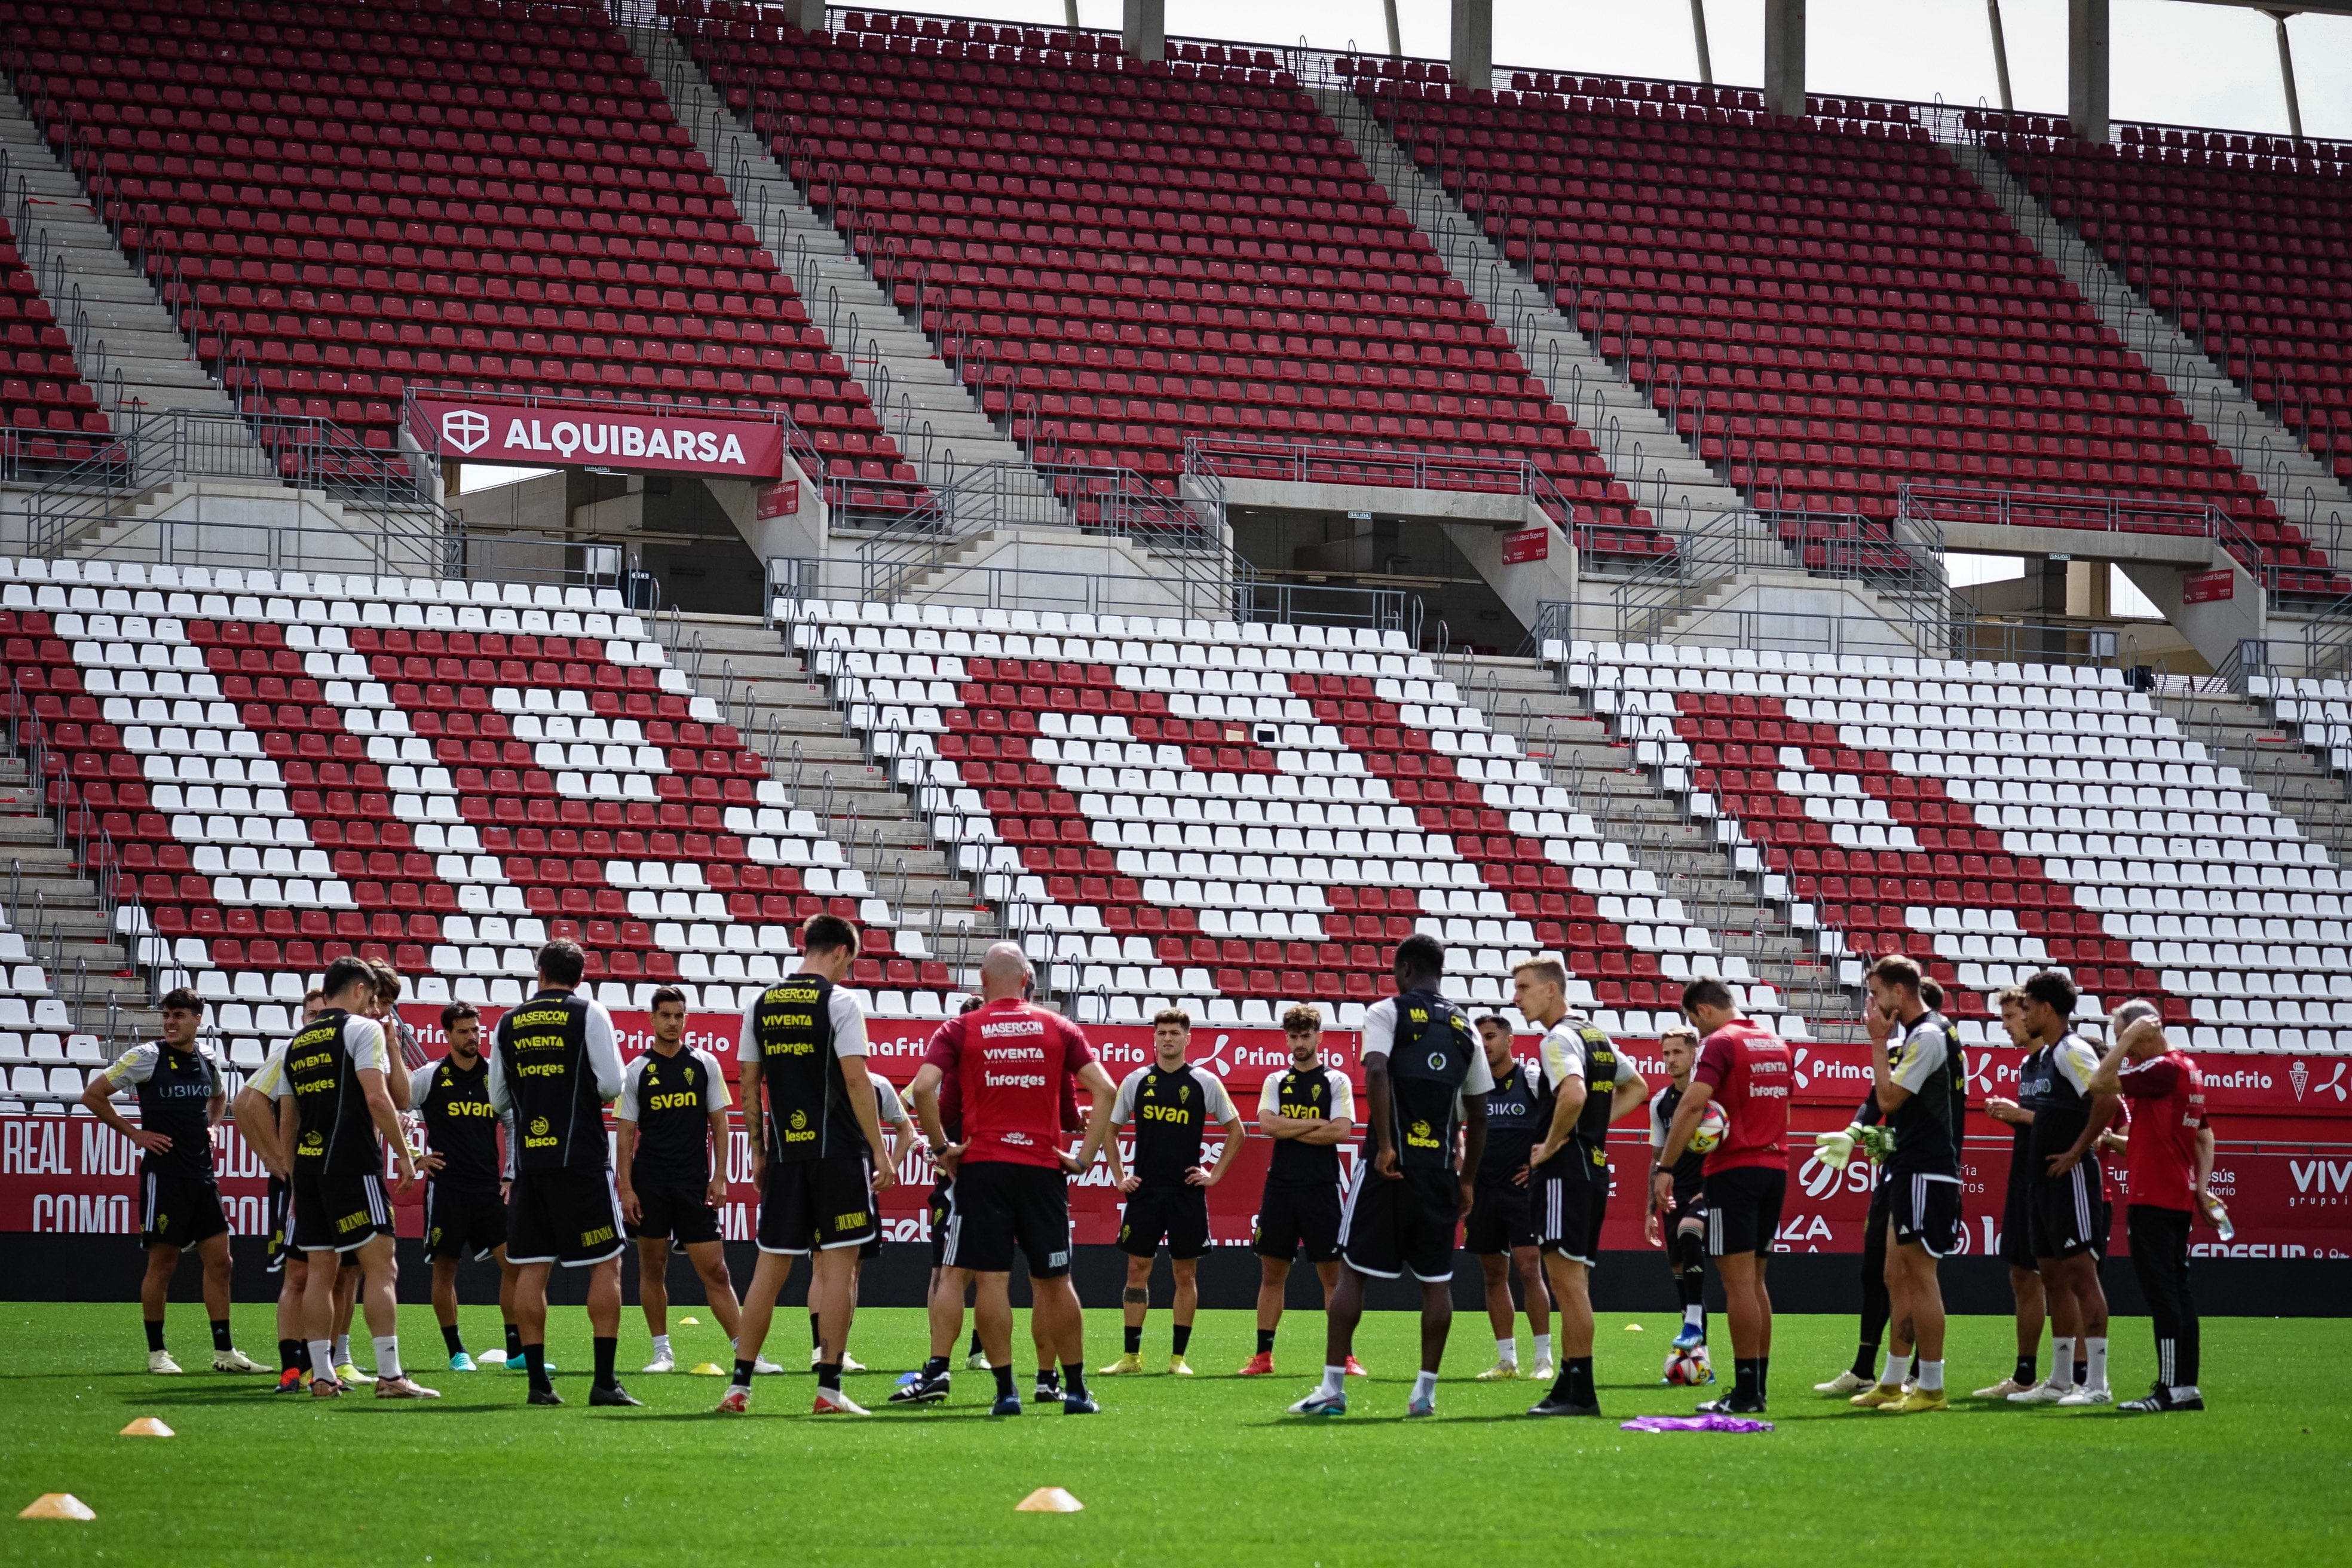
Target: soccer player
x,y
672,1115
338,1070
181,1100
284,1260
1678,1048
817,1154
1913,1080
2016,1227
1008,1060
1584,1085
2170,1166
1308,1109
465,1206
890,1110
1500,1232
555,1063
2066,1209
1745,1069
1425,1078
1169,1103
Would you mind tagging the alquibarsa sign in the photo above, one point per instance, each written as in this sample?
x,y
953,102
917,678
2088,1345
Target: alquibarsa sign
x,y
680,441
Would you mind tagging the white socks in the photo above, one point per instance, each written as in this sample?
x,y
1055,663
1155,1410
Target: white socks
x,y
1895,1365
322,1359
1425,1385
2095,1352
342,1350
1694,1315
661,1346
2061,1362
1335,1382
387,1356
1507,1352
1931,1377
1543,1349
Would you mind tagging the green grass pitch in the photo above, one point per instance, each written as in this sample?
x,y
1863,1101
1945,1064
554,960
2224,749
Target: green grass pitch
x,y
1199,1471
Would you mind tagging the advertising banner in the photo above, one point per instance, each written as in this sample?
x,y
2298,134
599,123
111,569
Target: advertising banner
x,y
634,439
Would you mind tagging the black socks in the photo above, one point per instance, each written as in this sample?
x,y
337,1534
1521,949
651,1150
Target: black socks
x,y
1265,1342
1073,1380
1184,1337
936,1366
742,1374
2023,1375
449,1337
292,1356
1747,1380
155,1334
514,1341
828,1375
220,1334
1574,1385
534,1361
606,1349
1004,1383
1134,1339
1866,1361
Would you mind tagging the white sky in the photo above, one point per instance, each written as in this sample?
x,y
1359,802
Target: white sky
x,y
2172,61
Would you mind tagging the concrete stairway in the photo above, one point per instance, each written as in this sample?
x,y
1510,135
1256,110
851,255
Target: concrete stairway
x,y
127,328
2261,446
914,388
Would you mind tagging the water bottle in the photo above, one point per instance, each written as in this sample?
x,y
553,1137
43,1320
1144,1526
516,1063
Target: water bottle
x,y
2220,1216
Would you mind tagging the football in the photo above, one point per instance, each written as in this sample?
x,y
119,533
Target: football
x,y
1688,1368
1712,1125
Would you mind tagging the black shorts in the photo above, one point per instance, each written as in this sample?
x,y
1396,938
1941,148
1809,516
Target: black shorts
x,y
679,1212
567,1216
281,1204
941,1206
463,1222
2067,1215
2017,1218
1500,1219
816,1206
179,1208
1389,1228
1925,1210
1180,1214
338,1214
1743,1209
1571,1199
1295,1214
995,1205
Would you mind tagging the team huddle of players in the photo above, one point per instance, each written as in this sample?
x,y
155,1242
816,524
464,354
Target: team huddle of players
x,y
1461,1138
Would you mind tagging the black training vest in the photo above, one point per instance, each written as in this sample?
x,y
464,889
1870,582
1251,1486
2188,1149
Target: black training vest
x,y
336,1130
1305,1094
1590,1135
1926,1126
809,1113
1169,1119
1689,1172
176,1101
1428,1061
673,1095
1515,1124
2061,1110
559,1116
460,1125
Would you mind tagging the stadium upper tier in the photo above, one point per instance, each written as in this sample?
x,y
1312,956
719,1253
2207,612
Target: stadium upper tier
x,y
2246,248
1123,257
347,201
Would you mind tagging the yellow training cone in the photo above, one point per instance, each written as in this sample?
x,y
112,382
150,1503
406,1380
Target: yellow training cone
x,y
1632,1328
64,1505
691,1322
147,1427
707,1369
1048,1500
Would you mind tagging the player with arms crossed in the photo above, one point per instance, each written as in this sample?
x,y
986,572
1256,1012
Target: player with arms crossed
x,y
817,1154
1425,1078
181,1100
344,1082
1584,1086
1678,1047
1500,1230
1169,1103
2066,1208
1308,1109
1009,1060
465,1203
2016,1222
1745,1069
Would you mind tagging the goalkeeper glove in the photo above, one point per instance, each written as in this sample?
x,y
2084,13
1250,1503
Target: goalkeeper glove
x,y
1878,1142
1834,1149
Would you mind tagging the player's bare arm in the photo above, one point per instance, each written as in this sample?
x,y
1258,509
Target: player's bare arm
x,y
1225,1156
1679,1132
860,1086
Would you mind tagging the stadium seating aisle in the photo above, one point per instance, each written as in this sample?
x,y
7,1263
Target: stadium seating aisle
x,y
491,195
2023,814
2245,247
46,413
1243,815
441,775
1124,255
1829,307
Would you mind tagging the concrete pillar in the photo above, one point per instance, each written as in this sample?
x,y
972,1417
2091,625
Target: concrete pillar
x,y
1396,37
1698,41
2000,53
2287,76
2087,70
1784,56
808,16
1143,28
1473,43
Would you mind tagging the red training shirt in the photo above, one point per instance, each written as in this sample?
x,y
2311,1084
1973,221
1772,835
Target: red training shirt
x,y
2162,1155
1746,1068
1011,1063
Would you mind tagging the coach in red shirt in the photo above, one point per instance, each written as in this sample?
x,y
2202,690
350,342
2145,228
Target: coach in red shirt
x,y
1745,1068
1011,1062
2170,1160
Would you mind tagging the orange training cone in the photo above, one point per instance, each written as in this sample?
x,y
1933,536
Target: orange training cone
x,y
147,1427
1048,1500
60,1505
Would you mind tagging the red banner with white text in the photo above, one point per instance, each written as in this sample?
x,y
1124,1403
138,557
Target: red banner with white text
x,y
631,438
